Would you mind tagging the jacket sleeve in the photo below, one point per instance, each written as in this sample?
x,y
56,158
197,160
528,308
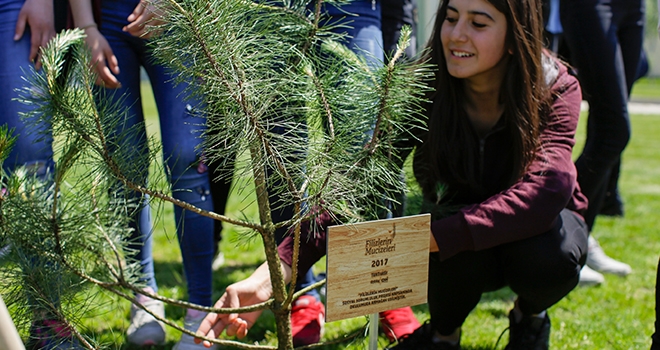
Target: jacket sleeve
x,y
531,205
312,243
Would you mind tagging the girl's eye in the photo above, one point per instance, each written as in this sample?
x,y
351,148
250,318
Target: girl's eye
x,y
478,25
450,19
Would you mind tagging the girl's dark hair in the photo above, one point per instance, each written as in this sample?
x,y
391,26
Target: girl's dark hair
x,y
446,148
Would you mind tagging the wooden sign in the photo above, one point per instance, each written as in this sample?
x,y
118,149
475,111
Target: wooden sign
x,y
376,266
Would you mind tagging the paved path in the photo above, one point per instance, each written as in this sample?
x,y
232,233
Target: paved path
x,y
636,107
644,108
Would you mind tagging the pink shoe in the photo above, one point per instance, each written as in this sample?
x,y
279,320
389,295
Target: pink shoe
x,y
398,322
307,319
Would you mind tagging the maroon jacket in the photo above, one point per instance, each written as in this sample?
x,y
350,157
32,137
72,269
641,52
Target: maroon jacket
x,y
527,208
530,206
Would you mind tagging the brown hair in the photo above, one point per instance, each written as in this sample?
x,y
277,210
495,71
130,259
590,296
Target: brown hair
x,y
446,154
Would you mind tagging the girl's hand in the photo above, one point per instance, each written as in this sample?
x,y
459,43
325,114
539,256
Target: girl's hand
x,y
142,17
38,14
243,293
103,59
250,291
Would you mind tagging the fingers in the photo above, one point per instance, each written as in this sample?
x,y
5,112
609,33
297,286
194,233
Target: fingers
x,y
39,17
35,42
212,325
112,61
237,327
136,21
137,12
38,40
20,26
104,61
105,77
141,21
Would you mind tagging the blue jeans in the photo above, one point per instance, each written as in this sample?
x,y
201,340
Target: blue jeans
x,y
364,32
605,39
181,135
32,147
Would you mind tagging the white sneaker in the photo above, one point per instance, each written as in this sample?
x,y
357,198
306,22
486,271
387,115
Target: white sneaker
x,y
144,328
599,261
218,261
187,341
589,277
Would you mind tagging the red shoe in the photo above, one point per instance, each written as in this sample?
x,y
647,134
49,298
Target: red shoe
x,y
307,319
398,322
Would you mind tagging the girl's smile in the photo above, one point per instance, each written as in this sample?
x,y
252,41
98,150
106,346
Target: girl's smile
x,y
473,38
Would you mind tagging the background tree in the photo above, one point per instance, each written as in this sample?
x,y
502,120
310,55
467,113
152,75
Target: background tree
x,y
317,126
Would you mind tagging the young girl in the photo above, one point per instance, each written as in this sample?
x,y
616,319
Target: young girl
x,y
500,135
501,127
118,41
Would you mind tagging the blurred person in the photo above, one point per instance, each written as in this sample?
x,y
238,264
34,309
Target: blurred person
x,y
25,27
119,45
605,40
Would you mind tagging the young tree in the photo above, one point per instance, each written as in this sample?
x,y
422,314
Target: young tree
x,y
318,125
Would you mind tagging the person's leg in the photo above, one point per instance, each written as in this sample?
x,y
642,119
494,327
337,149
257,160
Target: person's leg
x,y
612,204
33,142
606,66
127,49
131,143
220,180
395,14
32,149
181,130
635,67
590,32
541,270
182,125
363,30
363,35
455,288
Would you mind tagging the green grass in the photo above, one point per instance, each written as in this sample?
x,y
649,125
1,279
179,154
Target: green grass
x,y
616,315
647,89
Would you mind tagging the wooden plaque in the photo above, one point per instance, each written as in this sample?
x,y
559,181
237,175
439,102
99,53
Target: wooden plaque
x,y
376,266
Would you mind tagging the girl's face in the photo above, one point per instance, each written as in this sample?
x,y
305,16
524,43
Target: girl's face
x,y
473,38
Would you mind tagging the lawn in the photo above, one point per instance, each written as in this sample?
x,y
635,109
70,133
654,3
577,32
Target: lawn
x,y
616,315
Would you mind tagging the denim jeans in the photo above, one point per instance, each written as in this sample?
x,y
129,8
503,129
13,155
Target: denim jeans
x,y
181,133
396,14
33,146
605,39
362,19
